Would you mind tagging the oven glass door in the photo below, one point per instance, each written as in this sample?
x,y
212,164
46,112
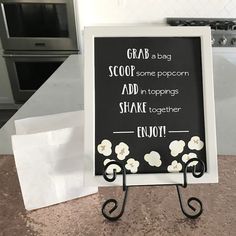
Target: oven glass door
x,y
27,73
31,75
36,20
38,25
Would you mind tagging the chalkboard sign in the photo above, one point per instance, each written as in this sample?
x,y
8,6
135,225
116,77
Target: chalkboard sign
x,y
149,102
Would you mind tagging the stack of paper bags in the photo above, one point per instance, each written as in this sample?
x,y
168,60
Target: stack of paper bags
x,y
48,152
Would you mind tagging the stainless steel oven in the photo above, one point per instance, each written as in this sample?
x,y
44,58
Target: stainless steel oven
x,y
37,37
38,25
29,70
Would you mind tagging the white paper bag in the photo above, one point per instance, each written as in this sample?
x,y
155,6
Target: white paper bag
x,y
50,164
50,122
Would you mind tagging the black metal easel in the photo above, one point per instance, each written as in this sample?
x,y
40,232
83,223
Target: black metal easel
x,y
195,212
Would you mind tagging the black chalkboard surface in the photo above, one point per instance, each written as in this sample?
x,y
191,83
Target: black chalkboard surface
x,y
149,112
149,104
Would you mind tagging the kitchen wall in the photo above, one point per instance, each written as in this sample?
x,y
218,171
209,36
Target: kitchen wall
x,y
103,12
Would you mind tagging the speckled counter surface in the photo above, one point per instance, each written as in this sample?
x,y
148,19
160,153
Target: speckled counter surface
x,y
149,211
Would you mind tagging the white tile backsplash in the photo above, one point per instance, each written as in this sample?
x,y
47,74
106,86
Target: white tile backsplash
x,y
120,12
94,12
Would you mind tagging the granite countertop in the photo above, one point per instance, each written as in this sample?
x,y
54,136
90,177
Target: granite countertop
x,y
149,210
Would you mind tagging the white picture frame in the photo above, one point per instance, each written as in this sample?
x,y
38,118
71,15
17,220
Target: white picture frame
x,y
211,175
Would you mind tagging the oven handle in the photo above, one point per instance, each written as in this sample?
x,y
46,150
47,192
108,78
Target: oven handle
x,y
36,55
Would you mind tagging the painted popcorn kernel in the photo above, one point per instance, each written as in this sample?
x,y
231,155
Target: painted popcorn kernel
x,y
195,143
104,147
122,150
111,167
189,156
174,167
132,165
176,147
153,158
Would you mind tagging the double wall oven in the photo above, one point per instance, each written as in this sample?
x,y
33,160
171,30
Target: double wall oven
x,y
37,36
